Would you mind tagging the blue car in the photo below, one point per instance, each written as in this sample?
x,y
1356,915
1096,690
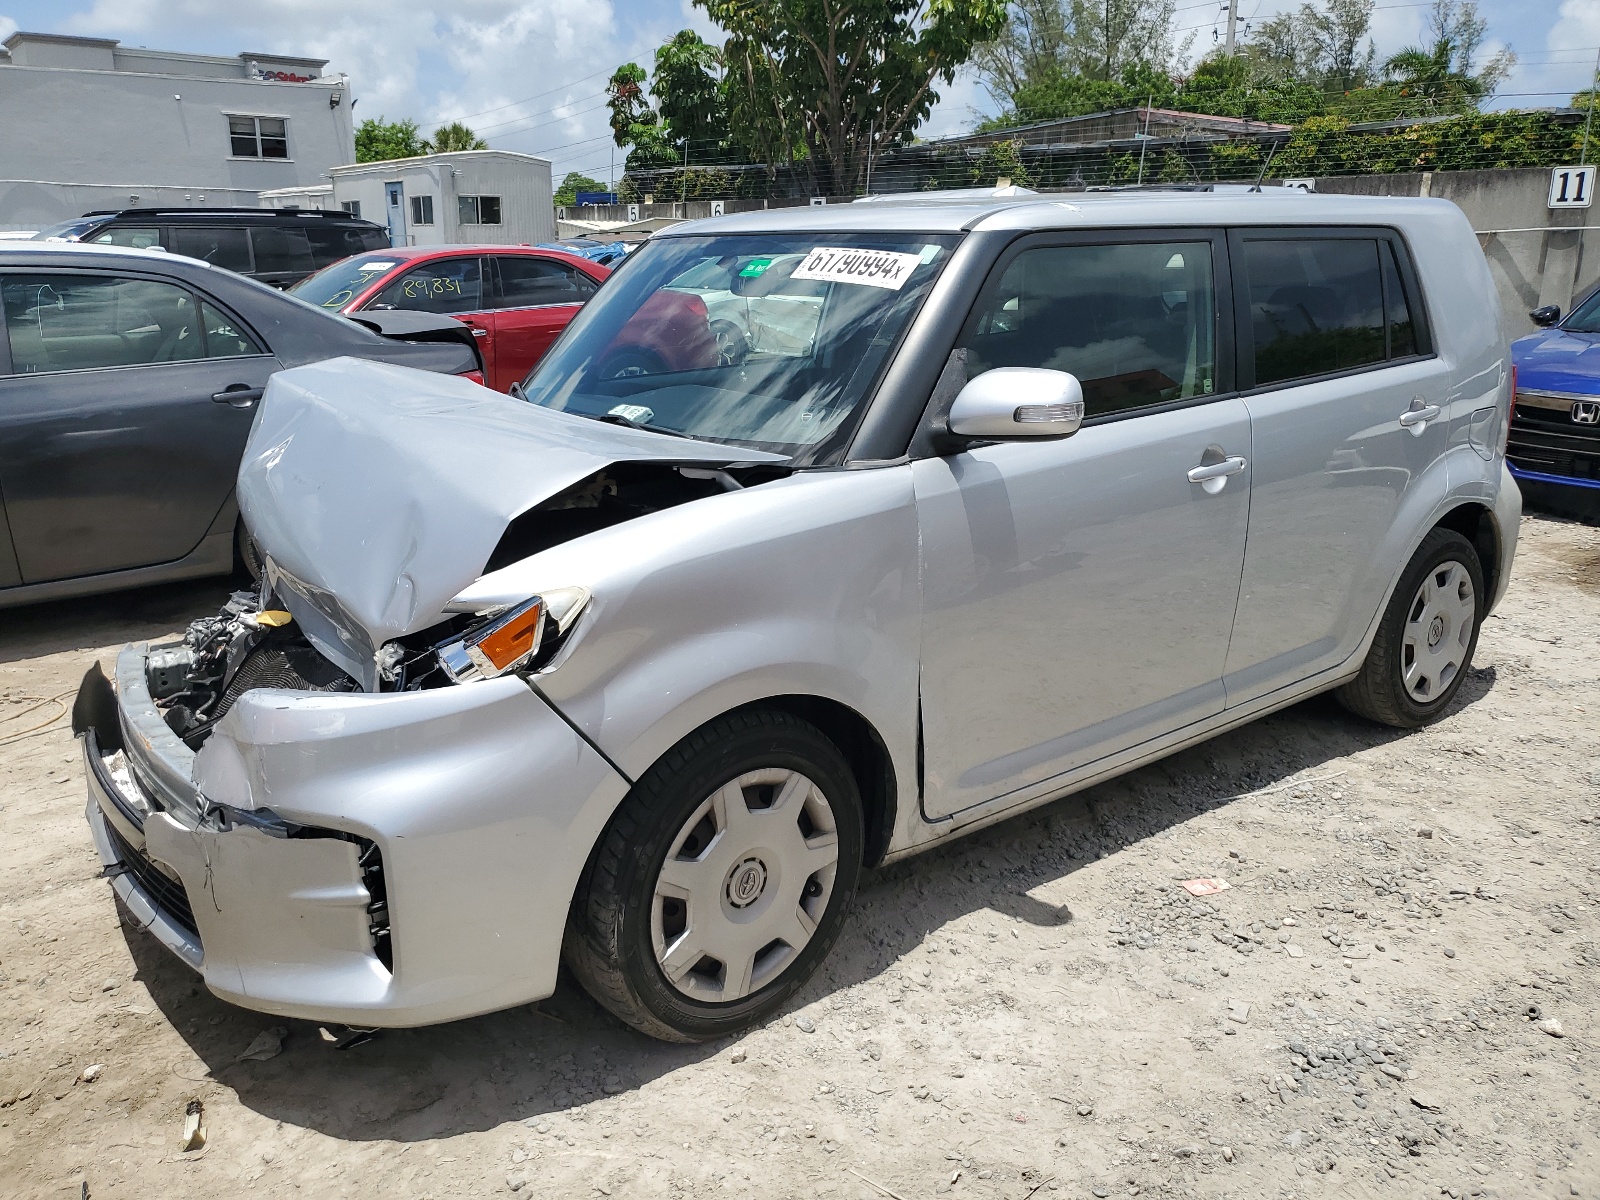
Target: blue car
x,y
607,254
1554,446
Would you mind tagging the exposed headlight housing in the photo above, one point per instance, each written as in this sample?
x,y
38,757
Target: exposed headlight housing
x,y
511,636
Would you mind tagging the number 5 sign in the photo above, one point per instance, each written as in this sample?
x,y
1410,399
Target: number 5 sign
x,y
1571,187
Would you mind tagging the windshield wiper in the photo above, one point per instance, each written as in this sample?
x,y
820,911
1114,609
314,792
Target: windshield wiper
x,y
611,418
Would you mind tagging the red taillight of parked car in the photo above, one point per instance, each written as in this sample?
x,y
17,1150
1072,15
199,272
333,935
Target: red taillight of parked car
x,y
475,376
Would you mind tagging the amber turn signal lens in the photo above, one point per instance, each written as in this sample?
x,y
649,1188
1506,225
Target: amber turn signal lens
x,y
510,641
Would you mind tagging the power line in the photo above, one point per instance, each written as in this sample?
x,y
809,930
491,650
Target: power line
x,y
524,100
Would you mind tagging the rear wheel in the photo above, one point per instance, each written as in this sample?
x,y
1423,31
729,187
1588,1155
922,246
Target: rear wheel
x,y
1424,644
722,880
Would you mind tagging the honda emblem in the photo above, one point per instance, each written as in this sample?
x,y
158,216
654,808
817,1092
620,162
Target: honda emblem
x,y
1586,412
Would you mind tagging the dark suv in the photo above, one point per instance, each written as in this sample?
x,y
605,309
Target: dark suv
x,y
276,246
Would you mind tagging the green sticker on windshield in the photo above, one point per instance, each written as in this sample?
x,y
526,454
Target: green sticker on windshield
x,y
755,267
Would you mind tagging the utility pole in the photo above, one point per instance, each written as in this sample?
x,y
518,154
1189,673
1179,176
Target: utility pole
x,y
1233,21
1589,120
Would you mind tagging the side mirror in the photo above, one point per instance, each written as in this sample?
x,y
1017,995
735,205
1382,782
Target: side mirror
x,y
1010,403
1548,315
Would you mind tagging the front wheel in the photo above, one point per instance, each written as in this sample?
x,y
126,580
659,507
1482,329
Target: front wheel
x,y
1420,656
247,552
722,881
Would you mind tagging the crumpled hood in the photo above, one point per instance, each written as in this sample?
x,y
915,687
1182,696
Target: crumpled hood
x,y
376,493
1558,360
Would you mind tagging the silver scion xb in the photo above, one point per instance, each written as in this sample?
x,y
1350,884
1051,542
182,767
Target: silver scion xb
x,y
820,537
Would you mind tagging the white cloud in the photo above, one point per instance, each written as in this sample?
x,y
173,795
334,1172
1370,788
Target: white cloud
x,y
513,69
1577,25
7,28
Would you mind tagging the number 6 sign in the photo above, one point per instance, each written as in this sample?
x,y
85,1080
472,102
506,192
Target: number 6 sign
x,y
1571,187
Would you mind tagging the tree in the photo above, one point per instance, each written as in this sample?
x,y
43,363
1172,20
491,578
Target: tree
x,y
1440,75
454,136
1029,51
634,123
832,83
1110,36
1318,46
1046,44
567,194
378,140
689,92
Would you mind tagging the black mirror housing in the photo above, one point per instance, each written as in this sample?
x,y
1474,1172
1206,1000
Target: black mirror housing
x,y
1547,315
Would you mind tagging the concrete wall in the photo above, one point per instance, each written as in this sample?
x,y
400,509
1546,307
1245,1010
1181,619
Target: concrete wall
x,y
1537,255
72,140
522,182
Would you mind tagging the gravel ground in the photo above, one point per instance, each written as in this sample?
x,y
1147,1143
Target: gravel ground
x,y
1396,996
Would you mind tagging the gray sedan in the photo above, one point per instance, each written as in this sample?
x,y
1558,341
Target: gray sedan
x,y
128,381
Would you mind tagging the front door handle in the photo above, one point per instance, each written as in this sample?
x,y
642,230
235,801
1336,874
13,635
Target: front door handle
x,y
238,395
1213,476
1418,415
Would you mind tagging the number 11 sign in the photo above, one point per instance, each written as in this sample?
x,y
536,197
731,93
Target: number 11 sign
x,y
1571,187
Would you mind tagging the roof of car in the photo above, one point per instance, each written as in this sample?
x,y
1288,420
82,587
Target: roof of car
x,y
82,250
935,213
415,252
227,214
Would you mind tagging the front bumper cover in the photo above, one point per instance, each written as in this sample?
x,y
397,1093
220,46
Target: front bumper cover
x,y
480,799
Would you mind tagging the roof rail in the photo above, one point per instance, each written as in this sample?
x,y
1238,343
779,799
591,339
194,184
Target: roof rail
x,y
283,213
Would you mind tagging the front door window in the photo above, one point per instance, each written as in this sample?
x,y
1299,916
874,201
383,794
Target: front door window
x,y
449,285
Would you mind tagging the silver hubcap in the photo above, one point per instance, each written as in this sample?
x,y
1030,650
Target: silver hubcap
x,y
743,886
1438,632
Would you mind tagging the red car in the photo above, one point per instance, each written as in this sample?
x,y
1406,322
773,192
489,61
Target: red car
x,y
515,299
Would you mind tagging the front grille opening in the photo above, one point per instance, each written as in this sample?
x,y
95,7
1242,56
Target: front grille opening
x,y
165,893
371,863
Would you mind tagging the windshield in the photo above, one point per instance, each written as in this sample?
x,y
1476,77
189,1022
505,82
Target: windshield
x,y
335,286
760,340
1586,317
67,231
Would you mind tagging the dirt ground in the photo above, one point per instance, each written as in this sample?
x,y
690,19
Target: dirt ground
x,y
1037,1011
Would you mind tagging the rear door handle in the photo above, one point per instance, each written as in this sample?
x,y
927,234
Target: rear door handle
x,y
1415,418
238,395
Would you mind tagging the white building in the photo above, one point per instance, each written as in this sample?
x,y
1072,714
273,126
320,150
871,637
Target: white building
x,y
463,197
87,123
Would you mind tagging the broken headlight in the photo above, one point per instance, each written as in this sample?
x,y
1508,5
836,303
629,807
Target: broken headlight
x,y
512,637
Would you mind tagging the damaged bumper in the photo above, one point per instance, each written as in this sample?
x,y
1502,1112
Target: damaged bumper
x,y
373,859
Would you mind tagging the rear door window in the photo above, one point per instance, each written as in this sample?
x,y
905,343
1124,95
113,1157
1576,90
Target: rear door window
x,y
330,243
526,282
448,285
81,322
228,248
281,251
140,237
1136,322
1318,306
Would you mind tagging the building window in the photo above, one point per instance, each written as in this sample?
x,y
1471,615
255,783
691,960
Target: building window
x,y
480,210
259,137
422,210
353,207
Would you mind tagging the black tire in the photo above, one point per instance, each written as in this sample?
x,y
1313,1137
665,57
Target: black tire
x,y
247,552
1379,693
609,941
632,363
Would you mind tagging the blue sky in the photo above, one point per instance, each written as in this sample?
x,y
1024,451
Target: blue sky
x,y
529,74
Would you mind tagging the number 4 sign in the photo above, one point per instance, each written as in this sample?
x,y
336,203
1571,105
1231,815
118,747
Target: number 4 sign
x,y
1571,187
